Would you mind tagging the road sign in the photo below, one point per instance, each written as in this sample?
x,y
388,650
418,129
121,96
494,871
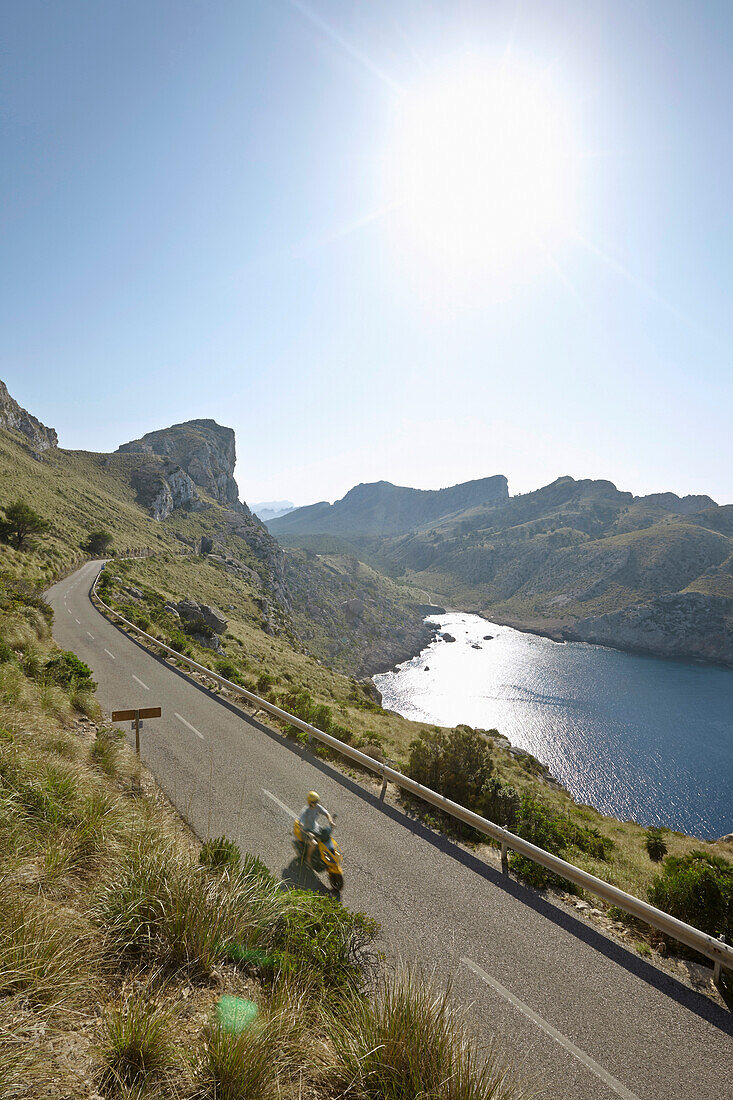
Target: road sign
x,y
131,715
135,717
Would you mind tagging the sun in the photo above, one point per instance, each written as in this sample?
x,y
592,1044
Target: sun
x,y
480,171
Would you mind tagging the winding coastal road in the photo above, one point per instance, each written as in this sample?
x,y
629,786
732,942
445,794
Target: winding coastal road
x,y
580,1015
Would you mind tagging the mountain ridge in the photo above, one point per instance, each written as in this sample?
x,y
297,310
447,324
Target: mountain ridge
x,y
574,559
383,508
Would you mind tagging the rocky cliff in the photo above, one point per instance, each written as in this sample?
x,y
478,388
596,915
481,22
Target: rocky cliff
x,y
14,418
686,624
203,449
162,486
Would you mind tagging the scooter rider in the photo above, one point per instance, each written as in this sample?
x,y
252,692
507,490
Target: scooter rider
x,y
310,823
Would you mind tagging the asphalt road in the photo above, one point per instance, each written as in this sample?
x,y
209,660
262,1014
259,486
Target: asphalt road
x,y
579,1014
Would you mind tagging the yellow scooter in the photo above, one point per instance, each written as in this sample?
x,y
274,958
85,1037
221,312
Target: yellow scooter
x,y
329,854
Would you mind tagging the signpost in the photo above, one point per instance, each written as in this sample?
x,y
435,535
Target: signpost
x,y
136,717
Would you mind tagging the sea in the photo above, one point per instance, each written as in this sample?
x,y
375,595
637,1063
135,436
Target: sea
x,y
640,738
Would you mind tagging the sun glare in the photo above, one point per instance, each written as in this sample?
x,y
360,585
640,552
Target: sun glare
x,y
480,172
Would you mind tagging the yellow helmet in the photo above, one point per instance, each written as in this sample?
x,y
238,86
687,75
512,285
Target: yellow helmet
x,y
312,798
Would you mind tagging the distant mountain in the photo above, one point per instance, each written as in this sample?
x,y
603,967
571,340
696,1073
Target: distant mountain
x,y
272,509
574,559
383,509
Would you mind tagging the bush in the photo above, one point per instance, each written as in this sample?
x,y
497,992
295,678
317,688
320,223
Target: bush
x,y
178,641
229,671
654,844
69,672
328,940
219,853
456,763
500,803
98,543
104,752
698,889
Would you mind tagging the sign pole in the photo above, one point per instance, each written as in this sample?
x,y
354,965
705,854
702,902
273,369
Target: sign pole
x,y
136,717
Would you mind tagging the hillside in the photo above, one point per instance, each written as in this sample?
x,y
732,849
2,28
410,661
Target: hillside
x,y
575,559
174,491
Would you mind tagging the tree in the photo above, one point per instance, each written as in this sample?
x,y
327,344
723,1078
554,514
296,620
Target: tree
x,y
20,524
98,543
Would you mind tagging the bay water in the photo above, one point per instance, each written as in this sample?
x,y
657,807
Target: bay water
x,y
637,737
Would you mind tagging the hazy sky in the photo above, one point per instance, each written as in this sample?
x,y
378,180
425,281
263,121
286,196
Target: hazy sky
x,y
424,242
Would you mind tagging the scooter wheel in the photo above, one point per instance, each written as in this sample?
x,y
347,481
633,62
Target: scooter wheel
x,y
337,882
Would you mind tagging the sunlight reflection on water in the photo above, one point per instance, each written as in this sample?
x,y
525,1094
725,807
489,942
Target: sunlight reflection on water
x,y
635,736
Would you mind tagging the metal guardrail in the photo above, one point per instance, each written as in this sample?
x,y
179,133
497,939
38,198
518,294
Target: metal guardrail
x,y
719,952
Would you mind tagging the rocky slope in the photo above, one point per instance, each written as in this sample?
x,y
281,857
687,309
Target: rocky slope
x,y
575,559
14,418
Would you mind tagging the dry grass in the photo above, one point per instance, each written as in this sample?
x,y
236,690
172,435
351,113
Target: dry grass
x,y
408,1042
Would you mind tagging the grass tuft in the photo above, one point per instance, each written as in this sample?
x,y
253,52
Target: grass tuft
x,y
43,955
407,1044
136,1049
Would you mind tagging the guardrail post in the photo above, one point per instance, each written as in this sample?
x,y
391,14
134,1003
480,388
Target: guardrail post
x,y
718,969
504,859
383,791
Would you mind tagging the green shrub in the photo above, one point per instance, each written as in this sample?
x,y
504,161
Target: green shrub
x,y
229,671
20,524
197,626
66,670
178,641
6,653
654,844
456,763
500,803
219,853
327,940
98,543
264,683
698,889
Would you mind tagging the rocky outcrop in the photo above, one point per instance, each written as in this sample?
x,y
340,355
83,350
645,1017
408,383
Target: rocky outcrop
x,y
14,418
163,486
193,612
686,624
203,449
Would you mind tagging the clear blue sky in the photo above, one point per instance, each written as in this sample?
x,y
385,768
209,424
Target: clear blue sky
x,y
223,209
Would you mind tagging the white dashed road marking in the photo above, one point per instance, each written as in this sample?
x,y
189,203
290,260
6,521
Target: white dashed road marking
x,y
279,803
110,654
139,681
189,726
77,622
588,1062
90,635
